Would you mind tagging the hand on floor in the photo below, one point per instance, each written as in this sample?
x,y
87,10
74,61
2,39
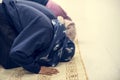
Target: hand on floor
x,y
48,70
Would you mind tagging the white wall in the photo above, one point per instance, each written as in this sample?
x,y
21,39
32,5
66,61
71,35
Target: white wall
x,y
0,1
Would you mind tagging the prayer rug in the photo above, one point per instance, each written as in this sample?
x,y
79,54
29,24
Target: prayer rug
x,y
73,70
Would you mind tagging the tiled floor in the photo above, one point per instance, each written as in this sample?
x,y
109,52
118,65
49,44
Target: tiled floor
x,y
98,28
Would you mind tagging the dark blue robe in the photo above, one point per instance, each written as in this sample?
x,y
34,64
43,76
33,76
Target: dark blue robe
x,y
7,35
41,41
41,8
43,2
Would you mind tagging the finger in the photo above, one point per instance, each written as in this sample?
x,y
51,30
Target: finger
x,y
52,70
55,71
49,73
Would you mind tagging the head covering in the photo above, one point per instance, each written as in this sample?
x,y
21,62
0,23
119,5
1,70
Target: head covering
x,y
61,48
70,27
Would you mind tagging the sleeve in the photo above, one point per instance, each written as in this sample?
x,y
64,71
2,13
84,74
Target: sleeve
x,y
41,8
36,34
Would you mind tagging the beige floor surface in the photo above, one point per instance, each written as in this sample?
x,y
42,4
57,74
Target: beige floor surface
x,y
98,28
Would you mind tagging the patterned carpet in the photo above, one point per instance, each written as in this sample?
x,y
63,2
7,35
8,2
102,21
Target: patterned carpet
x,y
73,70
